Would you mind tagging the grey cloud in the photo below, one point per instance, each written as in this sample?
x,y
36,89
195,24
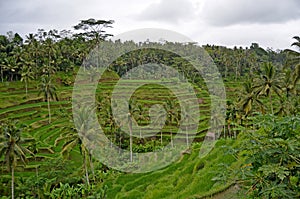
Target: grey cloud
x,y
230,12
171,11
25,16
39,12
269,22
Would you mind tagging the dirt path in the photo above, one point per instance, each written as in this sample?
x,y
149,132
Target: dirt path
x,y
230,193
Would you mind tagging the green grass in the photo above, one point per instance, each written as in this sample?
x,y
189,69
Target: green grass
x,y
182,179
187,177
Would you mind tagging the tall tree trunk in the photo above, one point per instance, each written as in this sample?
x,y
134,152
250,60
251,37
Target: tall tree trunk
x,y
187,137
140,132
26,89
111,136
92,167
172,143
271,104
85,167
1,74
49,58
130,136
49,111
120,141
229,131
236,72
12,182
97,55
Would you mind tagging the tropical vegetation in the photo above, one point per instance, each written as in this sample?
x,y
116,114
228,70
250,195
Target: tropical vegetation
x,y
42,147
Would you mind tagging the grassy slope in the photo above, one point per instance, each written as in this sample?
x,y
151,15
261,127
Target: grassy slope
x,y
188,177
182,179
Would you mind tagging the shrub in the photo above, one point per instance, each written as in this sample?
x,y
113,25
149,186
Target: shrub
x,y
272,169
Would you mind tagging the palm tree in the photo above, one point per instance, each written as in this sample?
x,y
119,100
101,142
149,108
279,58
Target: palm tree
x,y
130,119
119,136
249,98
190,121
110,122
73,137
127,119
231,117
11,146
50,51
3,68
139,114
71,141
239,58
49,92
34,51
268,83
26,76
172,115
160,119
294,60
216,124
10,65
4,43
289,104
227,63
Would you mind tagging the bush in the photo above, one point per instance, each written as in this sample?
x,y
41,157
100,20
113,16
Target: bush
x,y
272,169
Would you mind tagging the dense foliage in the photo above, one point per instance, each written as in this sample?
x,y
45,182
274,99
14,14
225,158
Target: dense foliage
x,y
272,168
50,160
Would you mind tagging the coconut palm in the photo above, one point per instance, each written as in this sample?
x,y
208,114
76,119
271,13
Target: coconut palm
x,y
294,60
231,112
250,96
130,119
26,76
49,92
11,147
9,65
172,115
239,58
110,122
189,120
119,136
139,114
50,51
269,83
127,119
33,50
73,137
160,120
71,141
287,83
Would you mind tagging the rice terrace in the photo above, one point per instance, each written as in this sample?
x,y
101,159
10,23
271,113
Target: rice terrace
x,y
48,150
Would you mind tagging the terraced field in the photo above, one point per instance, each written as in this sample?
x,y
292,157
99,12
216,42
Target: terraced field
x,y
188,177
151,94
32,114
186,174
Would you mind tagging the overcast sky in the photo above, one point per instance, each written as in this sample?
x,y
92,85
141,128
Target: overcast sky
x,y
271,23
